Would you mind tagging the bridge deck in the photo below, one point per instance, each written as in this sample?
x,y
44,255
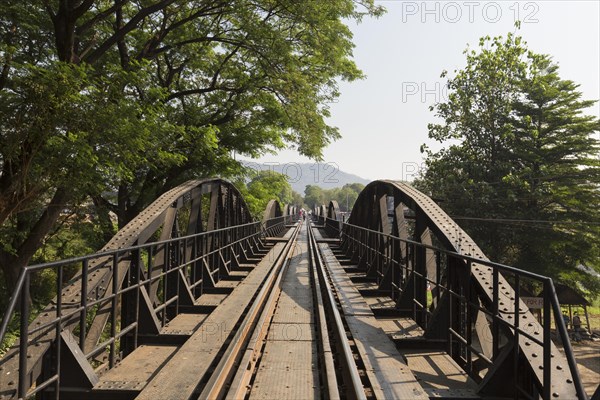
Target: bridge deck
x,y
275,306
268,313
288,368
184,371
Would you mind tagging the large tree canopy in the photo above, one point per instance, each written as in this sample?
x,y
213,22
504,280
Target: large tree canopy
x,y
117,100
523,172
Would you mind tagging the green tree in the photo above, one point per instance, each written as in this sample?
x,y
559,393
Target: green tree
x,y
266,186
314,196
133,97
345,196
524,177
298,200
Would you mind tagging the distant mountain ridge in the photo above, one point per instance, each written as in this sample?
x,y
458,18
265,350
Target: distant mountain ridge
x,y
325,175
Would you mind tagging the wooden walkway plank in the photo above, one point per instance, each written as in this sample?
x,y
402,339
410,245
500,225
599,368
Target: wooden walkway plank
x,y
183,324
400,328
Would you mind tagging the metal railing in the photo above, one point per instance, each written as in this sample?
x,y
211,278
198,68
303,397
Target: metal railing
x,y
156,277
378,252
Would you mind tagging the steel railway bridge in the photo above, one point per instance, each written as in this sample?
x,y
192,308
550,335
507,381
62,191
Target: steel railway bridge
x,y
193,300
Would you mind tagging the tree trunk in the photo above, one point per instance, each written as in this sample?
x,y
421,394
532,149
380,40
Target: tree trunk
x,y
13,264
103,219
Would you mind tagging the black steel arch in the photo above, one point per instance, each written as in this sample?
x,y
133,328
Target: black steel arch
x,y
387,218
333,210
290,210
273,217
204,220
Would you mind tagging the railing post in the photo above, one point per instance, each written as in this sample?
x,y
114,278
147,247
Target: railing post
x,y
83,301
137,278
469,319
516,346
59,279
449,288
495,314
150,266
166,268
24,337
114,306
547,385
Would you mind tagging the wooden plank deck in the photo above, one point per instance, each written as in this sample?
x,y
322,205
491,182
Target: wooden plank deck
x,y
183,324
400,328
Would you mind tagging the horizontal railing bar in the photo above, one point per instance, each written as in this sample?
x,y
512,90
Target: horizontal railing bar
x,y
43,385
102,345
108,253
465,257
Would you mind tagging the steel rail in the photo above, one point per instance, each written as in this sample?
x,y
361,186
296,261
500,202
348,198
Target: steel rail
x,y
240,382
345,355
232,375
327,362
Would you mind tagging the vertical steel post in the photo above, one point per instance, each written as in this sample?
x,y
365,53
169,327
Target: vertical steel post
x,y
495,315
83,301
136,310
449,288
516,346
469,318
114,306
547,385
24,337
59,279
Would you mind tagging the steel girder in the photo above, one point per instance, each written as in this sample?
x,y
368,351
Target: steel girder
x,y
194,207
402,212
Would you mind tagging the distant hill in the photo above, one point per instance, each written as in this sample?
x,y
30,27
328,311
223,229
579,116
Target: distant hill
x,y
325,175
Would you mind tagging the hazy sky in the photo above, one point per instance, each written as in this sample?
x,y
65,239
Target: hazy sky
x,y
383,118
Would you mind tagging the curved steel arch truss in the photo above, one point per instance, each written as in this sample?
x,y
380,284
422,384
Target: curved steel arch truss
x,y
290,210
436,274
158,265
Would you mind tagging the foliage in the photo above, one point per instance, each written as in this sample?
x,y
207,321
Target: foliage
x,y
118,101
522,174
264,187
315,196
73,235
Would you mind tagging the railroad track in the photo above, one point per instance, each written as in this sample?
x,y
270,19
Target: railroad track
x,y
294,341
